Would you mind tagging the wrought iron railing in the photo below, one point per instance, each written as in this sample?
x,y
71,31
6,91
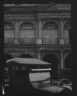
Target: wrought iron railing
x,y
50,40
8,40
27,41
66,40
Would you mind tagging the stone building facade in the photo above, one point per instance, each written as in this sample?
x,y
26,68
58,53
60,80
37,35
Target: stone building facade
x,y
40,31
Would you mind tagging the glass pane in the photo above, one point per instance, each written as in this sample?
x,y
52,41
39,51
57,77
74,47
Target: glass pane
x,y
49,36
27,34
8,33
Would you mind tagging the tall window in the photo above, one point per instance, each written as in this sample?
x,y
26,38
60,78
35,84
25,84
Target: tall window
x,y
67,33
8,32
49,33
27,33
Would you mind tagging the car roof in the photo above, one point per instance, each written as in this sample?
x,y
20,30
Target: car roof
x,y
28,61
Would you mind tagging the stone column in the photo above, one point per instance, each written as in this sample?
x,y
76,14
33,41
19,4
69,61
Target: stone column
x,y
39,55
36,30
62,60
39,25
39,40
16,33
61,32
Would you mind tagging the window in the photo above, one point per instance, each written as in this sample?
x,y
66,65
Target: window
x,y
27,33
8,32
49,34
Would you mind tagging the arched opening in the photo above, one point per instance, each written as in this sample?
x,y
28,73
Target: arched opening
x,y
8,32
67,33
26,56
27,33
68,67
68,63
7,56
54,64
50,33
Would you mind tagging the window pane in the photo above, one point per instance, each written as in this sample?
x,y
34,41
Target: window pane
x,y
49,36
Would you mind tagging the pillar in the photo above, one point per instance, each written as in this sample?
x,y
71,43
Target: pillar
x,y
16,33
61,32
39,55
62,60
39,40
39,25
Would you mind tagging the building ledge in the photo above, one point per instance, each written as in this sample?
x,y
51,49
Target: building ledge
x,y
58,47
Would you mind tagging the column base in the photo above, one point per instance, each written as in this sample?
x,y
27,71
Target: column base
x,y
39,41
61,41
16,41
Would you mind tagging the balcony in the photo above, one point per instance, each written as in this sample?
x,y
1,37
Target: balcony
x,y
42,44
9,40
54,44
65,41
49,40
27,41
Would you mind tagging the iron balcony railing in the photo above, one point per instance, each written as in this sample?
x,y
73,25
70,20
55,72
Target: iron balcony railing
x,y
50,41
26,40
10,40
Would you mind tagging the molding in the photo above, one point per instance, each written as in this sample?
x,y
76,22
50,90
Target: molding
x,y
46,47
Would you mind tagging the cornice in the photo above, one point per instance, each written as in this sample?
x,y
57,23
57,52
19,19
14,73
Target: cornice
x,y
32,16
37,8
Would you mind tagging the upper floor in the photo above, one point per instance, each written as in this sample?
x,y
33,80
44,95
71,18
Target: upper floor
x,y
41,24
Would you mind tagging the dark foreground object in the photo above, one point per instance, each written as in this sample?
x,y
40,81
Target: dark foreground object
x,y
26,91
31,91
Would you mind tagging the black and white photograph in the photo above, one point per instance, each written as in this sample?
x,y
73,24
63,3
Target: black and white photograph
x,y
37,49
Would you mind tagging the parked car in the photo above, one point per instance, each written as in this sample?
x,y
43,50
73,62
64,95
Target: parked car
x,y
18,79
17,72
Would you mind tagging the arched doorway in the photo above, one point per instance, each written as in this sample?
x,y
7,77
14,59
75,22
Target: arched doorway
x,y
7,56
68,67
54,64
68,63
26,56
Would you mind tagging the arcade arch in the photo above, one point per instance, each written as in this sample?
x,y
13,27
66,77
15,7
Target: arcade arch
x,y
50,33
8,56
27,33
68,63
54,64
8,32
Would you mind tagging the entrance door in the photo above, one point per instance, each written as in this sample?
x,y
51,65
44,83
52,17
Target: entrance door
x,y
54,64
68,63
68,67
